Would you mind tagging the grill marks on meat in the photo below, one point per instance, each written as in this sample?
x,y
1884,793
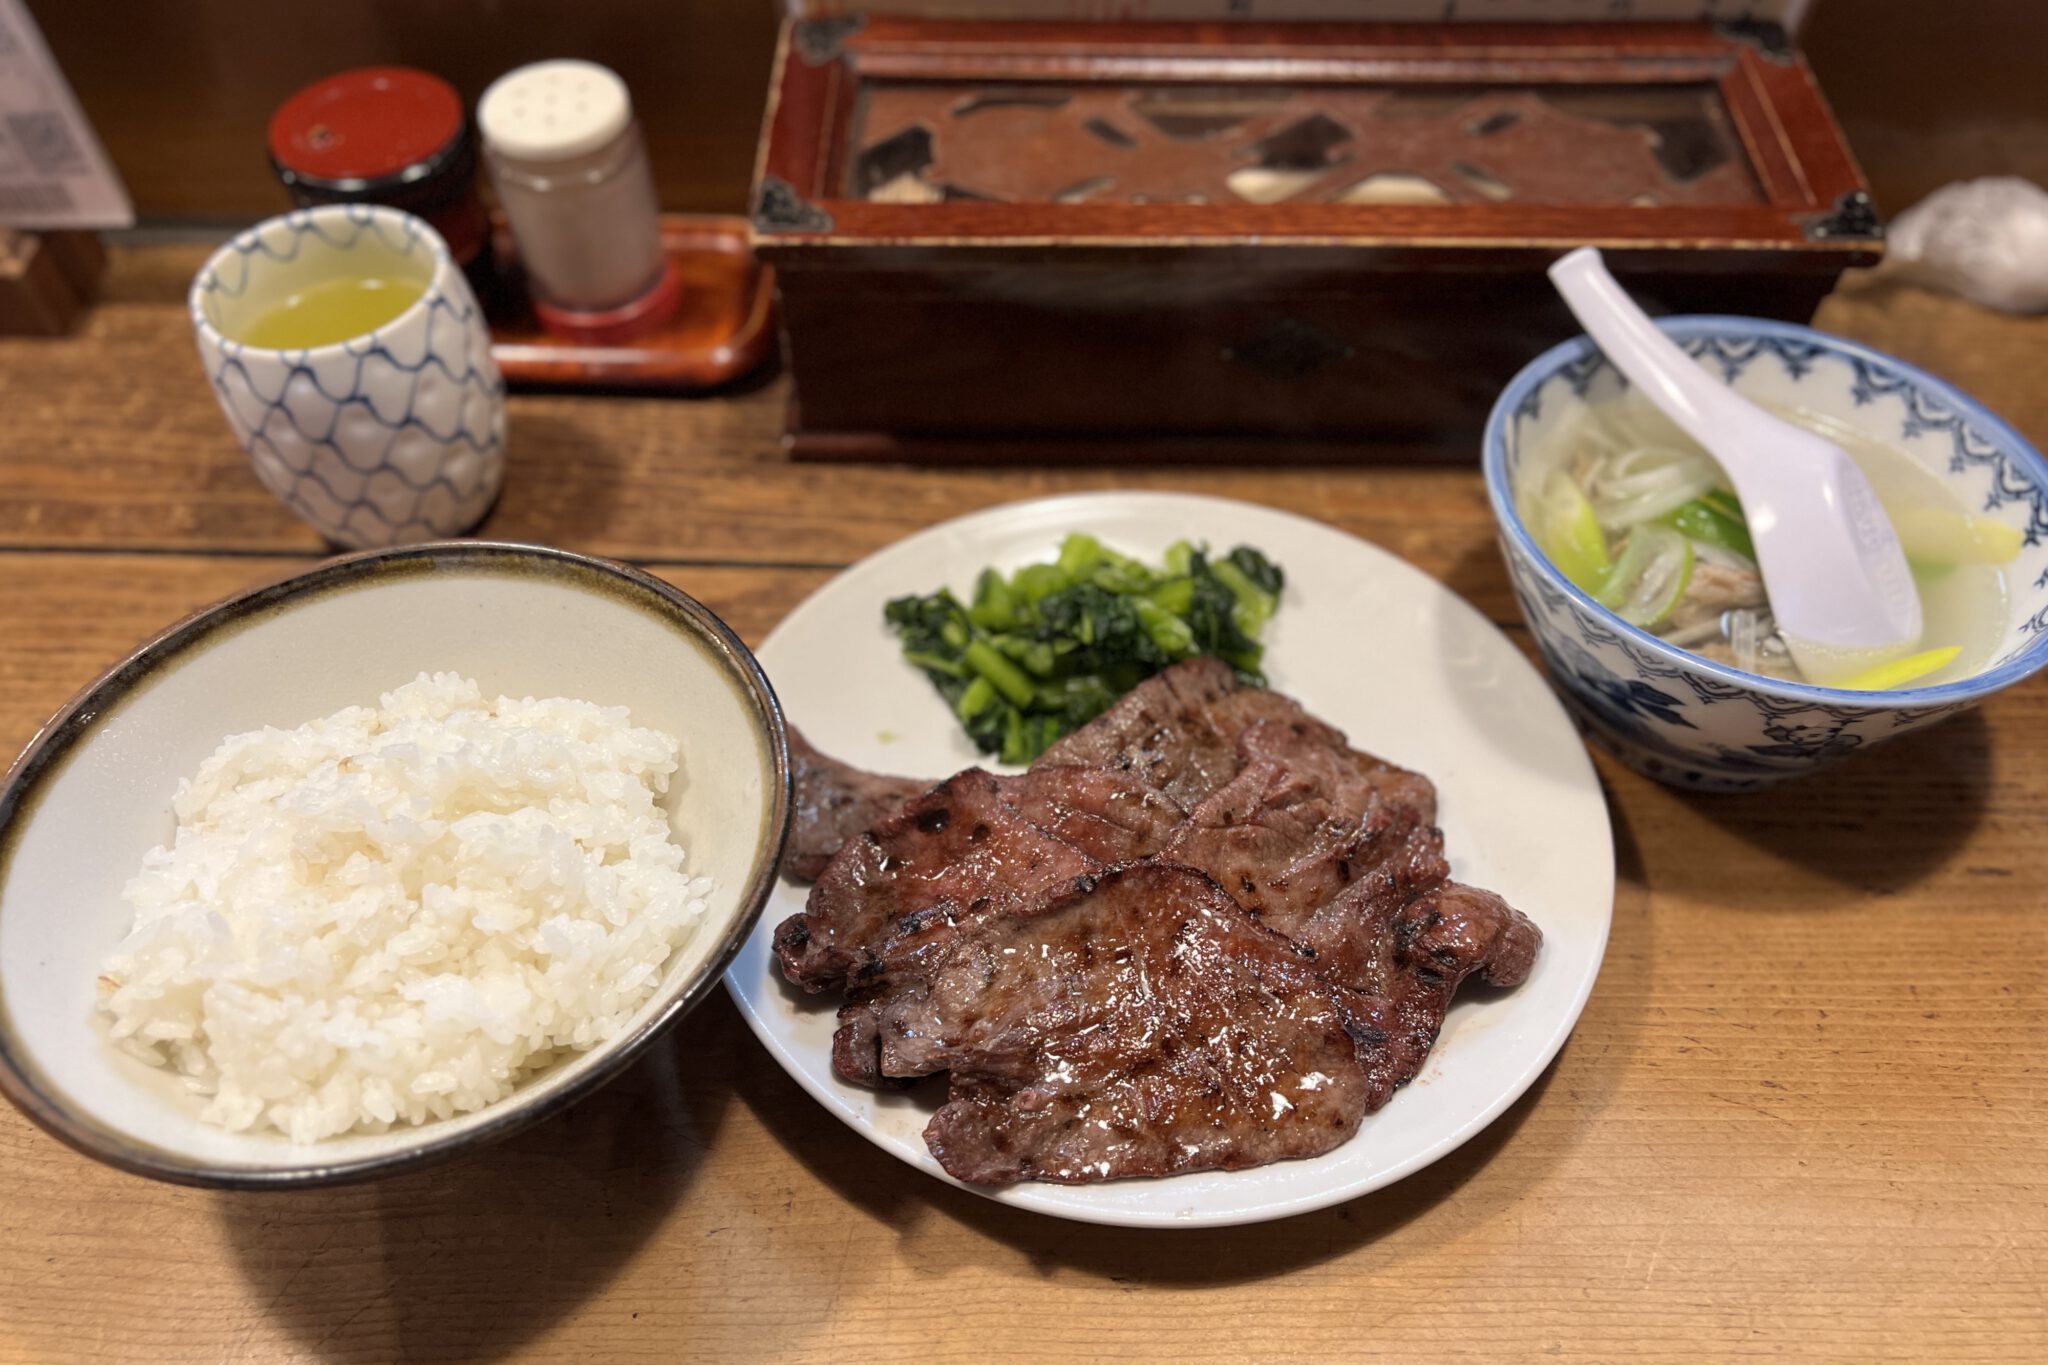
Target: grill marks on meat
x,y
1138,1023
1056,941
1185,732
1406,955
1302,820
1104,816
1403,863
974,845
1165,732
834,802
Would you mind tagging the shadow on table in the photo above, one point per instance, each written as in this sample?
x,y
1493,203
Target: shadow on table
x,y
1877,821
472,1259
1242,1255
901,1198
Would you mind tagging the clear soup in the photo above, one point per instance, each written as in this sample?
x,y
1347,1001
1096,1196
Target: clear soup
x,y
1637,514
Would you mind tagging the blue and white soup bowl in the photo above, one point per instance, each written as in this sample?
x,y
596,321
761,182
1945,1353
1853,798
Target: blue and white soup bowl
x,y
394,436
1693,723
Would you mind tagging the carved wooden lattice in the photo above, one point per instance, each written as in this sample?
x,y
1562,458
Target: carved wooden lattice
x,y
1596,145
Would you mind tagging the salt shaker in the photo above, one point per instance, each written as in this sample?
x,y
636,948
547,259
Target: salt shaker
x,y
571,171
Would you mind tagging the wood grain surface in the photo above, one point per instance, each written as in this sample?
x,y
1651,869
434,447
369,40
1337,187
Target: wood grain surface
x,y
1804,1116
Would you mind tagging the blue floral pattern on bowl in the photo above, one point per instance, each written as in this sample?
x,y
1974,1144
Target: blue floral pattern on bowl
x,y
1691,722
394,436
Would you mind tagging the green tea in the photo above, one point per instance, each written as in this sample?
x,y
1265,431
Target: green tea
x,y
332,310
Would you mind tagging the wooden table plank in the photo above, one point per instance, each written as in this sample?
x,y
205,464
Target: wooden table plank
x,y
114,441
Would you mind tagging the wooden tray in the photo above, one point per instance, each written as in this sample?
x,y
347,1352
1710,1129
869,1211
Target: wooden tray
x,y
723,328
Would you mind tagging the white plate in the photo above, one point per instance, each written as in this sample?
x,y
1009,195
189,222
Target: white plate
x,y
1385,652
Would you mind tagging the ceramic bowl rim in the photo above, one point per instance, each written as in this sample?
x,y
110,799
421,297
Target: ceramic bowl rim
x,y
250,240
43,759
1686,327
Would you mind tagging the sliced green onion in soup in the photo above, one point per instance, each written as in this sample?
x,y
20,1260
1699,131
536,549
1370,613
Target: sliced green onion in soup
x,y
1650,578
1703,521
1646,482
1724,501
1899,672
1569,534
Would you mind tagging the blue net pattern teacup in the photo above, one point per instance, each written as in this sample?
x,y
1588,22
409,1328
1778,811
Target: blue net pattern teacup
x,y
393,436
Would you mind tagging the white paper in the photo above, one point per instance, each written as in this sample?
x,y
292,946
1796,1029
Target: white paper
x,y
53,171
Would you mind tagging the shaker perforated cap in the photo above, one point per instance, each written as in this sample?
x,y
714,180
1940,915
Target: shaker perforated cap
x,y
552,111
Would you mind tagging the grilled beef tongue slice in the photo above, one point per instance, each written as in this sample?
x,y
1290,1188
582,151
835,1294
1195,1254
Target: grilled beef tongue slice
x,y
1166,732
1300,822
1303,819
1139,1022
1319,842
834,802
1408,956
1185,732
975,844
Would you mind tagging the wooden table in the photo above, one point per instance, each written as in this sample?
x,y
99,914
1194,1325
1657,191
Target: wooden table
x,y
1805,1114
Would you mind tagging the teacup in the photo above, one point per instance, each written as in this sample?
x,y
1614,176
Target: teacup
x,y
390,436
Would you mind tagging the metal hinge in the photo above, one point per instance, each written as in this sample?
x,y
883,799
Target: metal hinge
x,y
779,208
1767,38
1854,215
819,41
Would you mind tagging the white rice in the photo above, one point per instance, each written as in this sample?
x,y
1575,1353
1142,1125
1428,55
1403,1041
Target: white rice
x,y
396,914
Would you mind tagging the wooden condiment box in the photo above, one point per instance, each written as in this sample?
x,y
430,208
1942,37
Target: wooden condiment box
x,y
1085,241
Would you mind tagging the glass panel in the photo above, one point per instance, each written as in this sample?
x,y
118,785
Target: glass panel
x,y
924,142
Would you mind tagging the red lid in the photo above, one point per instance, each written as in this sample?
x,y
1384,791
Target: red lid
x,y
365,125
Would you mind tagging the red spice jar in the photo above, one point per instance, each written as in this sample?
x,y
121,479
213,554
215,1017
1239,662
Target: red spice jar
x,y
387,135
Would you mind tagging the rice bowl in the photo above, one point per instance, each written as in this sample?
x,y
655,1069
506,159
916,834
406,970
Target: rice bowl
x,y
96,791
